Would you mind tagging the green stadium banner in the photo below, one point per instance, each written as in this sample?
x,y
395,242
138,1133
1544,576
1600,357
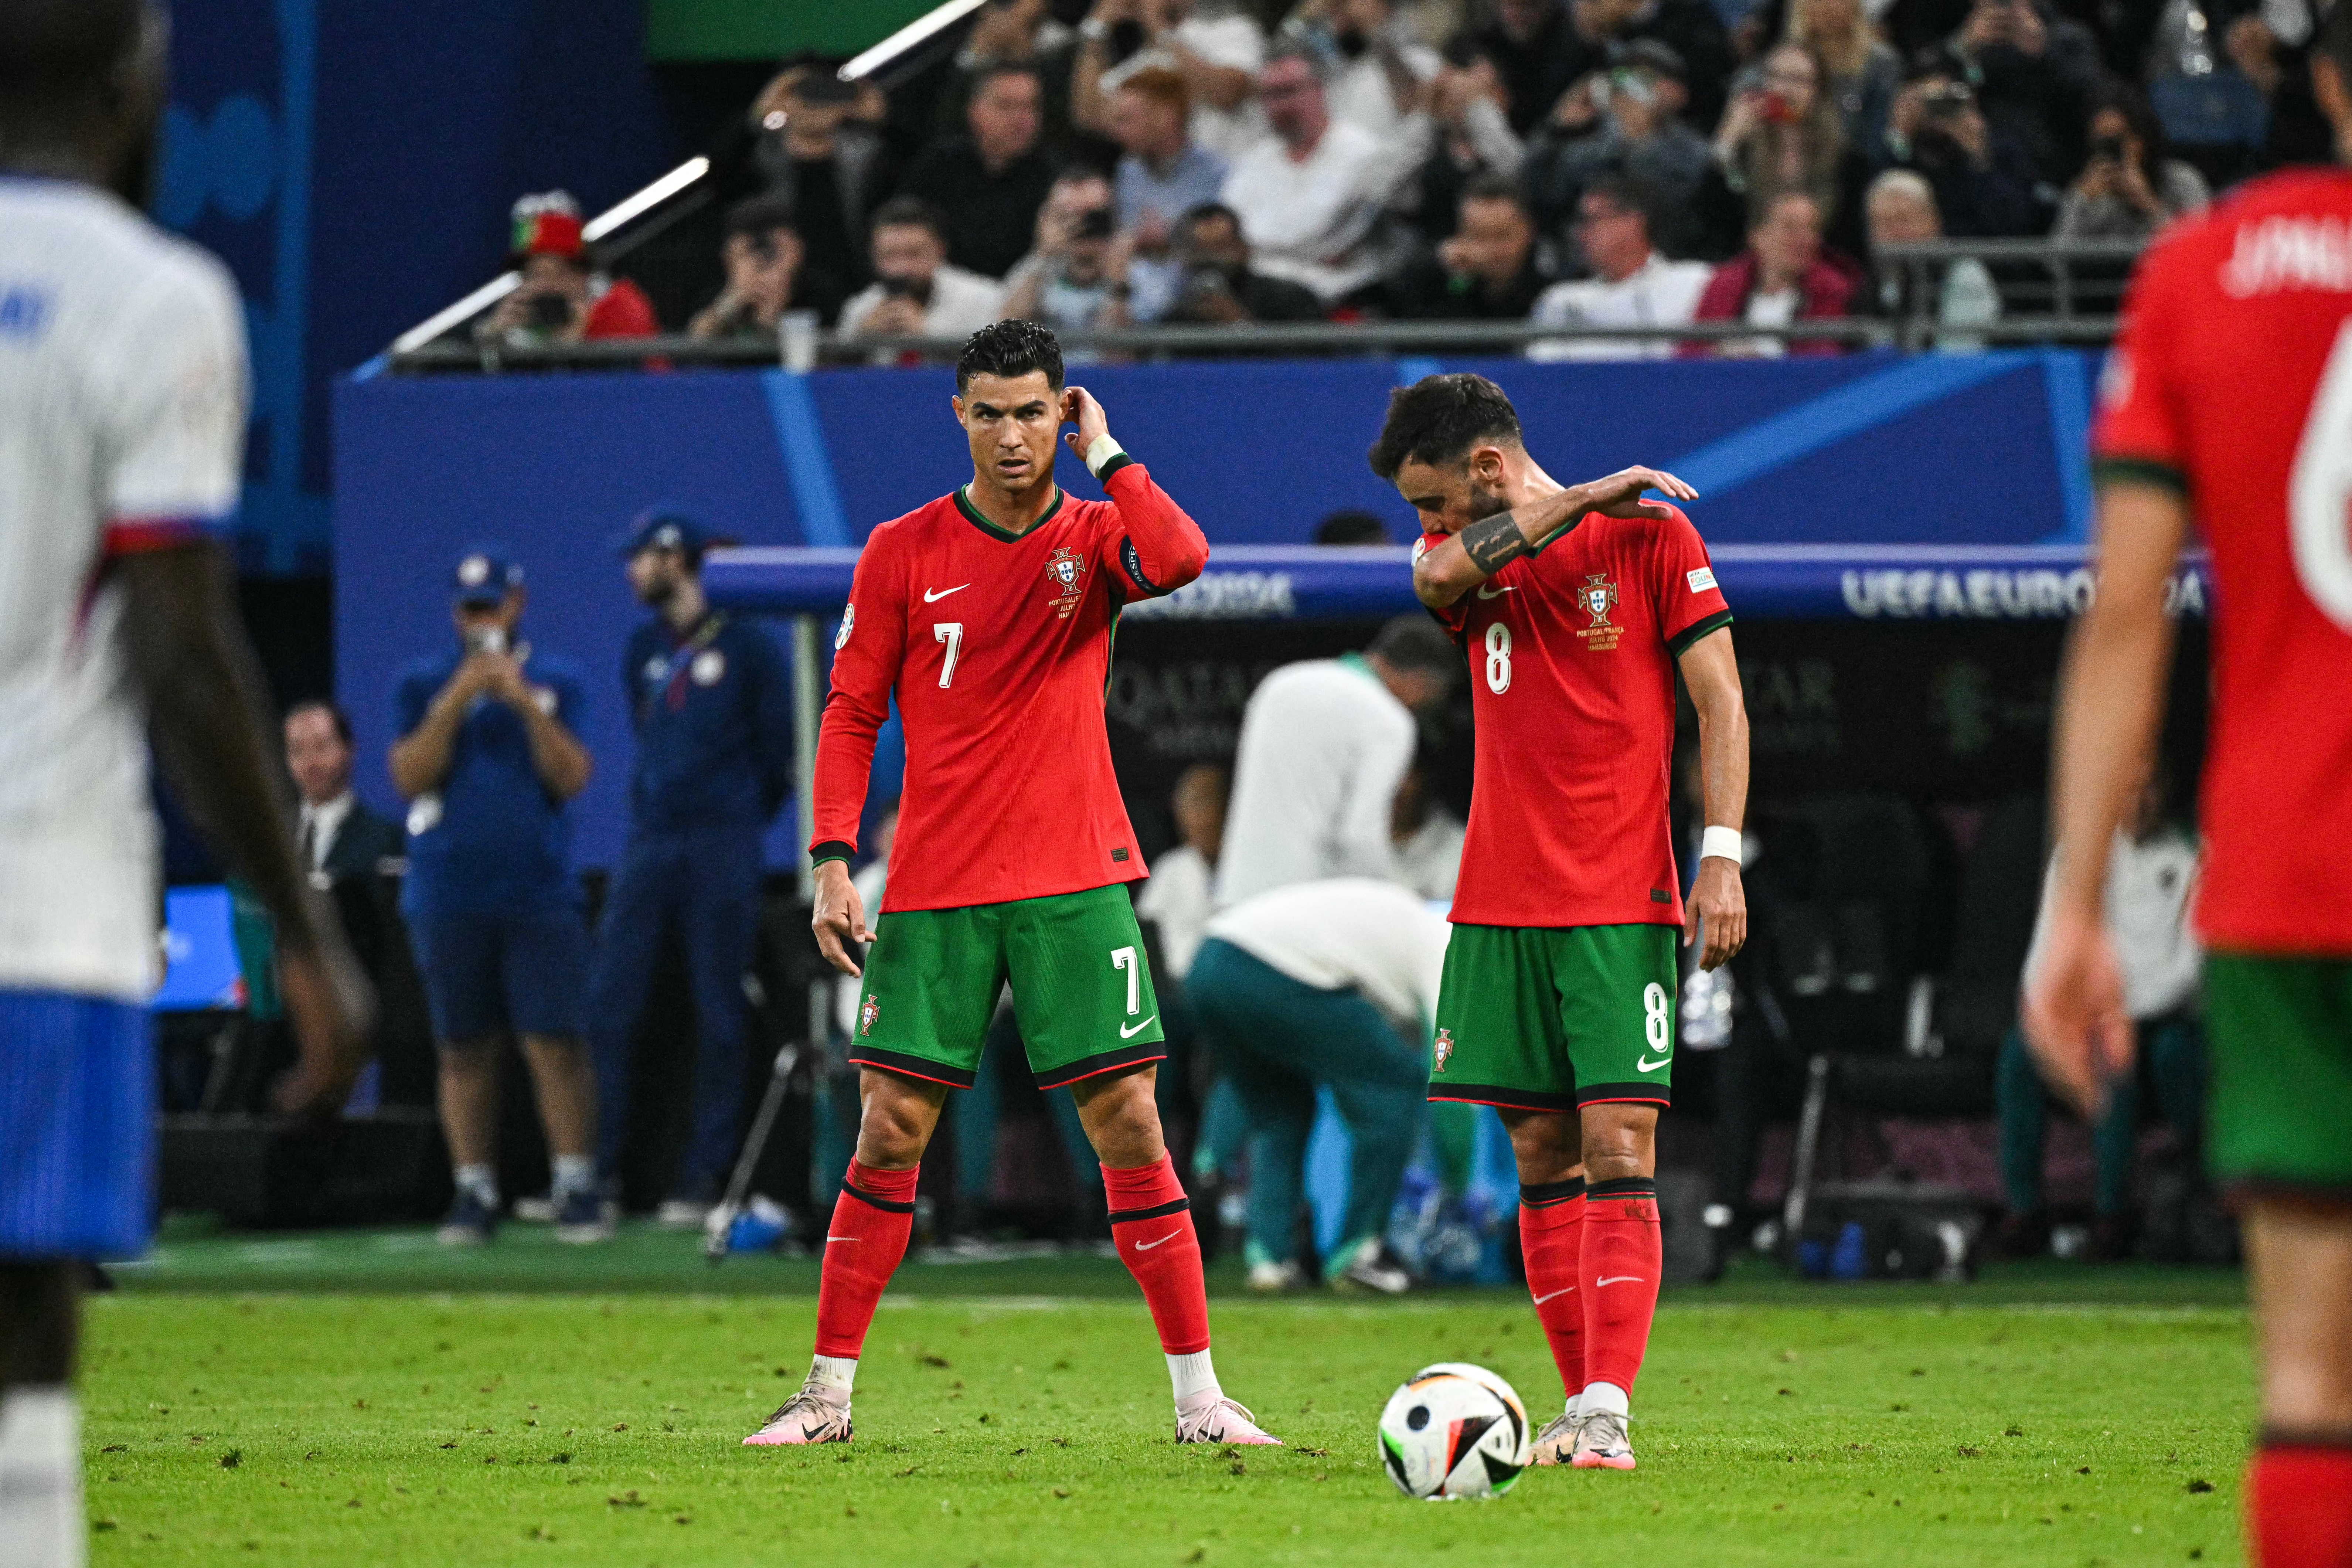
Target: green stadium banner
x,y
771,29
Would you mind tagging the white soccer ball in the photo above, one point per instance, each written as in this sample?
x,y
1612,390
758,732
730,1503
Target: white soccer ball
x,y
1454,1430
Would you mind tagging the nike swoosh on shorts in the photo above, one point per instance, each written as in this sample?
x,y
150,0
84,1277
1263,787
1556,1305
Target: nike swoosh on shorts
x,y
1128,1032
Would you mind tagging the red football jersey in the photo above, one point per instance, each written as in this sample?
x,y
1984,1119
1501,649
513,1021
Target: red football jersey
x,y
998,649
2232,381
1572,688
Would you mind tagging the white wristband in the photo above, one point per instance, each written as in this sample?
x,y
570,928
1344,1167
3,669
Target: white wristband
x,y
1101,450
1721,841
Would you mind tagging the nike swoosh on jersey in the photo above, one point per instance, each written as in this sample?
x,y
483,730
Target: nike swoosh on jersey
x,y
1620,1279
1647,1065
1148,1246
1128,1032
841,1238
1541,1299
931,598
1485,592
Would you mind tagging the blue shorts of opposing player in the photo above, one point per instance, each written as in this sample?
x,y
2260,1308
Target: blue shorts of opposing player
x,y
77,1126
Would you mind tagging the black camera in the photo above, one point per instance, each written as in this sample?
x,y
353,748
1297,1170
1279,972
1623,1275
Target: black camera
x,y
2111,148
548,312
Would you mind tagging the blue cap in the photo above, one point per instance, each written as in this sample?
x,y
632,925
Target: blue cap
x,y
486,574
664,528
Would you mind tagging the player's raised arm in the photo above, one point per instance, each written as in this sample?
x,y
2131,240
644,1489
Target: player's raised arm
x,y
867,652
1164,548
1443,573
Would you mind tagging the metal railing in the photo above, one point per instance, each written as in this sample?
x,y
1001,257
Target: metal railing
x,y
2051,292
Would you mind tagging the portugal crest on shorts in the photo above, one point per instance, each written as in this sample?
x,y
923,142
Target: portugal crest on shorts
x,y
870,1009
1065,570
1444,1047
1599,596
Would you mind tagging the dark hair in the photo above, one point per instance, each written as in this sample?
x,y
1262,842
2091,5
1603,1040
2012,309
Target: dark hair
x,y
1439,419
1208,210
1631,195
334,713
909,212
1008,349
2334,40
1416,642
1493,187
756,217
2127,100
1351,528
56,56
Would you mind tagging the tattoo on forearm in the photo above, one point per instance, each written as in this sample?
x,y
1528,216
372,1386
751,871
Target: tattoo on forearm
x,y
1493,542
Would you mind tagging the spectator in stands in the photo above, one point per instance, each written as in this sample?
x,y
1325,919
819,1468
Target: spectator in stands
x,y
1216,46
2150,877
1325,986
1073,285
1692,28
1487,270
2036,74
1780,278
488,756
710,704
1984,185
824,159
1352,527
1323,745
1309,193
1022,34
1374,73
916,292
563,298
1428,838
337,834
1163,174
2131,186
1218,287
1470,138
767,275
1902,209
1537,52
988,184
1625,121
2270,43
1784,134
1632,285
1862,74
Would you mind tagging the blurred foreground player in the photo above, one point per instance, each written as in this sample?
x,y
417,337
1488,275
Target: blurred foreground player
x,y
2229,400
988,614
1577,603
122,378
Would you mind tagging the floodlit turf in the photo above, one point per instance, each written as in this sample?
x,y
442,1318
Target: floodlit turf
x,y
480,1430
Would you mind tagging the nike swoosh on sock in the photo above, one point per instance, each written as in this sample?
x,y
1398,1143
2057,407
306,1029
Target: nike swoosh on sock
x,y
1541,1299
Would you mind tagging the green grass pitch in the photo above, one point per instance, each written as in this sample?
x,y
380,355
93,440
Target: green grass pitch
x,y
1775,1423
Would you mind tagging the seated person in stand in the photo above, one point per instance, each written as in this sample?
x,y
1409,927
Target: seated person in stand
x,y
767,275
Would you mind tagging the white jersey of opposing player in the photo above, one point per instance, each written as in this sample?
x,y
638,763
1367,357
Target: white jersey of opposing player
x,y
122,402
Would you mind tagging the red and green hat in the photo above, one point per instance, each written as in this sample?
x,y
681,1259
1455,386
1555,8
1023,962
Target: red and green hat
x,y
547,225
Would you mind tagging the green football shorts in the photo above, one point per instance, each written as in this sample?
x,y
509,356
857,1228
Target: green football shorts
x,y
2279,1114
1081,990
1552,1018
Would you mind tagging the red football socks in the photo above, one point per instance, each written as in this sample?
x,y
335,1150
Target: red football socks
x,y
1621,1260
871,1221
1551,1240
1151,1225
2299,1504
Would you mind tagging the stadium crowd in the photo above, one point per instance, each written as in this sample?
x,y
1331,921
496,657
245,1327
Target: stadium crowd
x,y
1586,163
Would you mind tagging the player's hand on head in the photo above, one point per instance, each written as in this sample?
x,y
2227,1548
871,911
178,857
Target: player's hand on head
x,y
839,917
1620,495
1079,407
2074,1014
1716,911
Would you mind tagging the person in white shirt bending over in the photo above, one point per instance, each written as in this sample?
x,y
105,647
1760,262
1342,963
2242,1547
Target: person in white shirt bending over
x,y
1324,743
2151,877
1631,284
1325,985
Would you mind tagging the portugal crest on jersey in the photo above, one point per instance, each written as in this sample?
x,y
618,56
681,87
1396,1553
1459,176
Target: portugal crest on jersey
x,y
1600,597
1065,570
869,1010
1444,1047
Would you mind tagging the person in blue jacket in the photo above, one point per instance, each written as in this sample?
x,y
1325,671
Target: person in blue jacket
x,y
708,698
490,758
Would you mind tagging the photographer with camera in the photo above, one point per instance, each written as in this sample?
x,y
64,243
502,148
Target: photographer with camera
x,y
1219,286
563,298
766,275
2128,188
821,151
1077,277
914,292
1782,135
1984,183
489,759
1626,120
2034,73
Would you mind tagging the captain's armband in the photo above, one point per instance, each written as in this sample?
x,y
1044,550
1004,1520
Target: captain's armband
x,y
1493,542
